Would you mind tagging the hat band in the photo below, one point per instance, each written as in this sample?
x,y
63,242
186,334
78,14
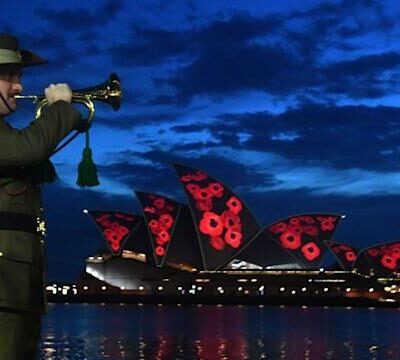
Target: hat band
x,y
10,57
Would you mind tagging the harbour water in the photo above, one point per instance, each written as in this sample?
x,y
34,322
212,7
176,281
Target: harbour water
x,y
121,331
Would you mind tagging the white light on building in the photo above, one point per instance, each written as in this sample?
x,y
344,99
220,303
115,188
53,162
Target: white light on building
x,y
52,289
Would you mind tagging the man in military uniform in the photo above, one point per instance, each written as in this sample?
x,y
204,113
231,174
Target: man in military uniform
x,y
22,154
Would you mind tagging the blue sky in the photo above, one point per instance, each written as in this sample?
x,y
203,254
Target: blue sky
x,y
293,104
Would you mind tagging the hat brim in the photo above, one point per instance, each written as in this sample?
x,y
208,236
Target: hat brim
x,y
28,58
21,58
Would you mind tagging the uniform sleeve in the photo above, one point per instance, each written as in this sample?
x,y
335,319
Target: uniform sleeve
x,y
33,144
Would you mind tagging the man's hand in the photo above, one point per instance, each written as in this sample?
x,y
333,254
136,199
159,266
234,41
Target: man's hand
x,y
57,92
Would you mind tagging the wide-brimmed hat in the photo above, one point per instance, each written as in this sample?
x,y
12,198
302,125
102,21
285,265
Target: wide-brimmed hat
x,y
10,53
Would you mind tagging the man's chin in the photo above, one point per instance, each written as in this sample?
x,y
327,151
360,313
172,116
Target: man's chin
x,y
13,105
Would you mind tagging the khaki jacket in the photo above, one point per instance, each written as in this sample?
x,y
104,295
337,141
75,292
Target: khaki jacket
x,y
22,254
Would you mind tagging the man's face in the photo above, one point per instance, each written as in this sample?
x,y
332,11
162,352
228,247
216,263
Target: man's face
x,y
10,85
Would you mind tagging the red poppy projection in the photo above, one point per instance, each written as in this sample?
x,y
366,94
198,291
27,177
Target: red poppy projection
x,y
344,254
382,259
302,236
115,226
223,222
160,214
216,227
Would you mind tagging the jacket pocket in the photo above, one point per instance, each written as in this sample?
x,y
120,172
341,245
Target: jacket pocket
x,y
13,192
16,246
14,283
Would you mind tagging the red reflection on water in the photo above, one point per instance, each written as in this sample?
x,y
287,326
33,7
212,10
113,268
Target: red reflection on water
x,y
211,348
220,334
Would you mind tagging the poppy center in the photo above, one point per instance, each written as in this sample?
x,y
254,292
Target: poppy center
x,y
213,223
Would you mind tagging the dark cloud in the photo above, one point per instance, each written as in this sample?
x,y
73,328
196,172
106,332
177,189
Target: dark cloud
x,y
163,100
239,29
363,77
369,66
227,170
78,43
229,56
153,176
340,137
80,18
158,174
342,8
151,46
224,70
236,54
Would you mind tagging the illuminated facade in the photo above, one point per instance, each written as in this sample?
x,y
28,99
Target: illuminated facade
x,y
214,245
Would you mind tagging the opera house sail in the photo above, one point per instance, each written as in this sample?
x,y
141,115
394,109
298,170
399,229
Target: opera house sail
x,y
212,249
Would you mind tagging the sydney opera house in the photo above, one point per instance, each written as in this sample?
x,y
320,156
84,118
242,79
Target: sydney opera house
x,y
213,250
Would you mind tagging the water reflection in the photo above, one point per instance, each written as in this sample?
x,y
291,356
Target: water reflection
x,y
225,332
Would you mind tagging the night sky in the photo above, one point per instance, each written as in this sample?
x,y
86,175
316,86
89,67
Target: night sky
x,y
292,104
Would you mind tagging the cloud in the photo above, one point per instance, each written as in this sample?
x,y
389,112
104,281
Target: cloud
x,y
365,77
273,55
225,70
79,18
334,136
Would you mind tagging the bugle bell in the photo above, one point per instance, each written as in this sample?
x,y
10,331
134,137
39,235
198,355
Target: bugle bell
x,y
108,92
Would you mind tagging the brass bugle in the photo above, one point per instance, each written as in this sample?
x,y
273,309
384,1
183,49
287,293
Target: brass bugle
x,y
109,92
